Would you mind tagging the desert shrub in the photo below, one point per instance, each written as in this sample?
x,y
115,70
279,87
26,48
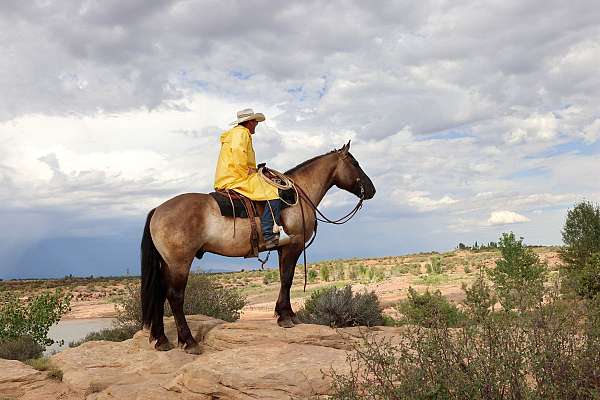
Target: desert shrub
x,y
270,276
586,279
44,364
339,272
431,279
378,276
519,275
129,308
341,308
428,309
399,269
549,352
312,276
114,334
31,318
353,273
435,266
479,299
21,348
206,296
324,273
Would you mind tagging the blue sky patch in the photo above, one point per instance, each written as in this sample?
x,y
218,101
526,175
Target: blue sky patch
x,y
529,173
446,135
578,147
241,75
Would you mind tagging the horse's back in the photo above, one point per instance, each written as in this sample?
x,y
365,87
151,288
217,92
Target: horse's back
x,y
177,224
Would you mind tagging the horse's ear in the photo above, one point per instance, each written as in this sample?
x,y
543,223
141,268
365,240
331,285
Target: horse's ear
x,y
346,147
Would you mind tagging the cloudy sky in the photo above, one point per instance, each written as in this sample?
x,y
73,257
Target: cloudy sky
x,y
472,118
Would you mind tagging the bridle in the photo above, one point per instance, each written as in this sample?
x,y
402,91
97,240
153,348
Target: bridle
x,y
303,196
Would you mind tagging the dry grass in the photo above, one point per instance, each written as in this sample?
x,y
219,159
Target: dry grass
x,y
44,364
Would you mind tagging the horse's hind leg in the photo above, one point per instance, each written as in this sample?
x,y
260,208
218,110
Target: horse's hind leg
x,y
158,330
176,296
288,257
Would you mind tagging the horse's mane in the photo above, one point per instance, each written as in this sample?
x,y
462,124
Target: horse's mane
x,y
309,161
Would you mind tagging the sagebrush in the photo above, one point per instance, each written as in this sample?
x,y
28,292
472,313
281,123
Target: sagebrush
x,y
341,308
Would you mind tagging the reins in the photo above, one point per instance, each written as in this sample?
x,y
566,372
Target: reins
x,y
287,184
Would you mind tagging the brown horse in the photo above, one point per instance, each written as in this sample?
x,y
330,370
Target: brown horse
x,y
190,224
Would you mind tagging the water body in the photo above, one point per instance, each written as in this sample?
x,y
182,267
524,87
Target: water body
x,y
74,329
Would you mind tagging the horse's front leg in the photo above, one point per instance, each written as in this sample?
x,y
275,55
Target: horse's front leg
x,y
288,257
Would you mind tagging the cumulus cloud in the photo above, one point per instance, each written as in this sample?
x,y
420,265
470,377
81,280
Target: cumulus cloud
x,y
455,109
506,218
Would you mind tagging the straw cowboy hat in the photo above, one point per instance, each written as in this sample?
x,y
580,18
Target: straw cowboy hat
x,y
247,115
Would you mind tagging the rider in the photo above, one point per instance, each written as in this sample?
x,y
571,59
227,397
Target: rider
x,y
236,170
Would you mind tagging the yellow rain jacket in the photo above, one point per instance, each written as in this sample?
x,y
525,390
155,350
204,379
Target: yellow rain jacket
x,y
235,159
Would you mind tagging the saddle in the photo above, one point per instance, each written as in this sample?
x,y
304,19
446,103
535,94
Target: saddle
x,y
235,205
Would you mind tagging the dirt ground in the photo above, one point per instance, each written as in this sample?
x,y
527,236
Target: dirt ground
x,y
388,277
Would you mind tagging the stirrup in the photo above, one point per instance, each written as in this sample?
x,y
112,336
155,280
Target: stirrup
x,y
284,238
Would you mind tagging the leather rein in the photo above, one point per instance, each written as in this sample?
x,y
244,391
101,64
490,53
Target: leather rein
x,y
340,221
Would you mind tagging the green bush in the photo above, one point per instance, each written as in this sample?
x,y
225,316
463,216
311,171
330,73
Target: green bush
x,y
399,269
581,253
519,275
479,299
204,295
31,318
586,279
324,273
341,308
312,276
435,266
549,352
270,276
129,308
581,234
429,309
21,348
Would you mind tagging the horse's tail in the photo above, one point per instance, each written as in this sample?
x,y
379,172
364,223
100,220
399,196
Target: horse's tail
x,y
152,289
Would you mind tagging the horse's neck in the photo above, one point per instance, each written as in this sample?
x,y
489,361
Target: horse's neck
x,y
316,178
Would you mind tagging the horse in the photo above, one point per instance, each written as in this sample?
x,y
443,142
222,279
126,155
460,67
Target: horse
x,y
191,224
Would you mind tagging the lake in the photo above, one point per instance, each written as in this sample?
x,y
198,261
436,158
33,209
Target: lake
x,y
74,329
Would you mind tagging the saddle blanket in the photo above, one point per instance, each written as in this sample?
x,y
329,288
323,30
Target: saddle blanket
x,y
222,199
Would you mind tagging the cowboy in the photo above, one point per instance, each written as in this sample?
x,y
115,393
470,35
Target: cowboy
x,y
236,170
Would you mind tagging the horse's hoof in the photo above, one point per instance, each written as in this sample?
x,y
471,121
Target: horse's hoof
x,y
296,320
194,349
164,346
285,323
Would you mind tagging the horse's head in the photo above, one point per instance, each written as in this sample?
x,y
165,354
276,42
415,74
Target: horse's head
x,y
350,176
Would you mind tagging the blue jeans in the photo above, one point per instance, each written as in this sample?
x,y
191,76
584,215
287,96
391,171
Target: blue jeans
x,y
266,220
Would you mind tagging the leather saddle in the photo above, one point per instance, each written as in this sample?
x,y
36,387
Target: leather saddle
x,y
235,205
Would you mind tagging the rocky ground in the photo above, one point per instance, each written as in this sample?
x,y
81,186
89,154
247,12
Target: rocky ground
x,y
241,360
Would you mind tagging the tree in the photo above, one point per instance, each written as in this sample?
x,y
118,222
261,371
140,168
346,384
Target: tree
x,y
519,275
581,234
32,318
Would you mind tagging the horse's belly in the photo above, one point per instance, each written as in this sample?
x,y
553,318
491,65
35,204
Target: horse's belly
x,y
227,241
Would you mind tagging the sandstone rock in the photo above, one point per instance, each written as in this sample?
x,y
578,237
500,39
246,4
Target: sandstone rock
x,y
241,360
20,381
17,378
